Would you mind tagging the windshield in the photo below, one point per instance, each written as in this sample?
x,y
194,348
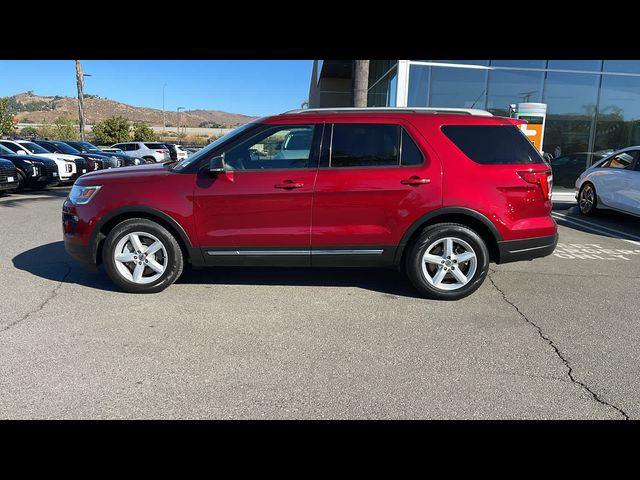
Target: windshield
x,y
64,148
5,151
87,146
182,164
34,147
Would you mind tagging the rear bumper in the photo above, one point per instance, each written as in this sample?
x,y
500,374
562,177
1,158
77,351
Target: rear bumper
x,y
527,249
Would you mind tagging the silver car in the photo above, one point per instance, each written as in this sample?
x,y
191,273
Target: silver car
x,y
612,183
150,151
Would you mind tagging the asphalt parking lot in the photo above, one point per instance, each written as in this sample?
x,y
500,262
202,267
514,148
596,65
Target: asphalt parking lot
x,y
554,338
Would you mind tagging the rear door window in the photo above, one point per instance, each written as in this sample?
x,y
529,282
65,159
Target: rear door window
x,y
365,145
154,146
493,144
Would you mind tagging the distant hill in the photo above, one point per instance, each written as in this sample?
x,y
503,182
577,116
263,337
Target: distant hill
x,y
32,108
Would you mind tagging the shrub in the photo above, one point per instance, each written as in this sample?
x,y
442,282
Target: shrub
x,y
62,128
29,132
112,130
144,133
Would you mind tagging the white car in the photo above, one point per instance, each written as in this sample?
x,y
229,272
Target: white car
x,y
613,183
67,169
149,151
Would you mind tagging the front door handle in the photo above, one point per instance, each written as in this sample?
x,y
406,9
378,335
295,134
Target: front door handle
x,y
288,184
415,181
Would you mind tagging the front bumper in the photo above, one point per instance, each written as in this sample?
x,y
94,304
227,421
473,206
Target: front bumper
x,y
81,254
527,249
8,185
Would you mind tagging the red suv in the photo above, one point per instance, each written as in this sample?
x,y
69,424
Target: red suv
x,y
437,192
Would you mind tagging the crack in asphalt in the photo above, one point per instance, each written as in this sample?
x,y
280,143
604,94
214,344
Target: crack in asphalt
x,y
51,296
559,354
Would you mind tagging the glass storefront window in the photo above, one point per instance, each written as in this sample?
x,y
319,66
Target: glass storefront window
x,y
383,93
519,63
571,102
588,65
459,62
622,66
418,86
377,68
619,113
458,87
512,86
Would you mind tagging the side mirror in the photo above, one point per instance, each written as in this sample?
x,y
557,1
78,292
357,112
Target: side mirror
x,y
216,165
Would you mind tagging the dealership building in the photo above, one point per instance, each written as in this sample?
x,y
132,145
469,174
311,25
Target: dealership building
x,y
593,106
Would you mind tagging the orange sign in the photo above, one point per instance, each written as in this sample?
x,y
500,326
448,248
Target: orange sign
x,y
533,133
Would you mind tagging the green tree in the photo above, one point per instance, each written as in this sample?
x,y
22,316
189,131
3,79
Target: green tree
x,y
62,128
144,133
112,130
6,118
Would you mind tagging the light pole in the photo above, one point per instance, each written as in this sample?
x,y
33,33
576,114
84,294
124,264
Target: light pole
x,y
164,121
80,82
178,111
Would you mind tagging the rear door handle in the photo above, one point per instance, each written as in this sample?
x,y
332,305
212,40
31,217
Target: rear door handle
x,y
415,181
288,184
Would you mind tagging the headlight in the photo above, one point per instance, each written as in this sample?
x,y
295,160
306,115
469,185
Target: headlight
x,y
81,195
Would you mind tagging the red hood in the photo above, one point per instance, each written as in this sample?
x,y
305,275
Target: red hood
x,y
137,174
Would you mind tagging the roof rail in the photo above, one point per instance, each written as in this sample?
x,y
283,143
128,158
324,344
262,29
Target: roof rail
x,y
432,110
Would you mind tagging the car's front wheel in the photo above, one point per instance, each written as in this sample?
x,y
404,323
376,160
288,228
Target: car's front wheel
x,y
141,256
587,199
448,261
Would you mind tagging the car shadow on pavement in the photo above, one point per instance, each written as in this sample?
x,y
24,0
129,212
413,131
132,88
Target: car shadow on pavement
x,y
52,262
386,281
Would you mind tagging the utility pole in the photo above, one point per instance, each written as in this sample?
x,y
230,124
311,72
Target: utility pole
x,y
178,110
164,121
80,82
360,83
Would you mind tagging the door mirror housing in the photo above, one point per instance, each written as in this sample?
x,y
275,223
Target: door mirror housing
x,y
216,165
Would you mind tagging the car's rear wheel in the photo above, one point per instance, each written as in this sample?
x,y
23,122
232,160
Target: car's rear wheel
x,y
149,160
448,261
141,256
587,199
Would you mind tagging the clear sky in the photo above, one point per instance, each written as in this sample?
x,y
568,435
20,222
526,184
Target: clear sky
x,y
250,87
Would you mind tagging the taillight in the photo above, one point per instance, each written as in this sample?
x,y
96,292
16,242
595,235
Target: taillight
x,y
160,151
543,179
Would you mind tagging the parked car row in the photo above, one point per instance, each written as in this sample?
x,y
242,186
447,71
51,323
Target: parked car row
x,y
38,164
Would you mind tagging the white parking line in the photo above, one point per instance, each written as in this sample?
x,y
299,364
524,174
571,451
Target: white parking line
x,y
598,229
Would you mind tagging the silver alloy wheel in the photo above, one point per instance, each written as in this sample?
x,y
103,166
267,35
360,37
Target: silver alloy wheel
x,y
140,257
449,263
586,198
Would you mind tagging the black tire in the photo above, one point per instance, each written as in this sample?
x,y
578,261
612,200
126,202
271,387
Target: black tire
x,y
429,236
21,182
149,160
587,199
174,258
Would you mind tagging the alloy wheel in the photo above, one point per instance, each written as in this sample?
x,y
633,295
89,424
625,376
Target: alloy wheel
x,y
449,263
140,257
586,199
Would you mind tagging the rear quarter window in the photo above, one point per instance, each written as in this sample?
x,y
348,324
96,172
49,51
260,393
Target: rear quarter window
x,y
154,146
493,144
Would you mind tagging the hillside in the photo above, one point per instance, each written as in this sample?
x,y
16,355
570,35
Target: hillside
x,y
34,108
